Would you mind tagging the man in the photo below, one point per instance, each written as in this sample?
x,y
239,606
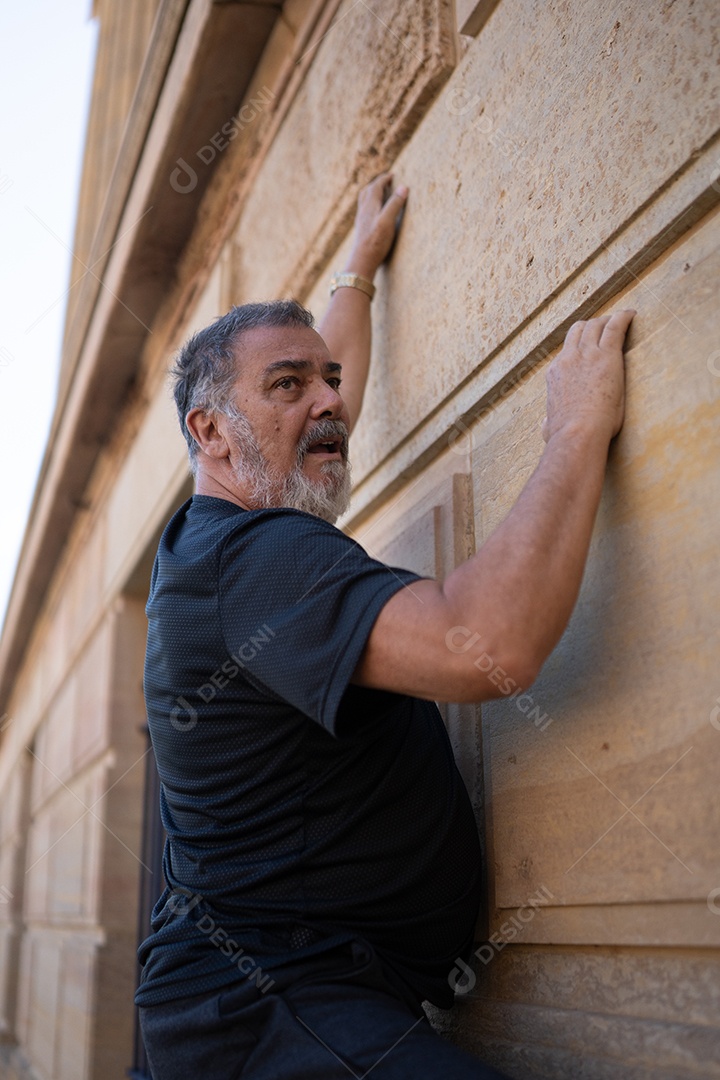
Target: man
x,y
322,860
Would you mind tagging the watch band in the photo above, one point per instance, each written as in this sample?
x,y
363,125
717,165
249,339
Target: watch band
x,y
353,281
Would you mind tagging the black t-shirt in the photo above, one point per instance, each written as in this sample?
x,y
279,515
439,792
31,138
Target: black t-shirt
x,y
293,801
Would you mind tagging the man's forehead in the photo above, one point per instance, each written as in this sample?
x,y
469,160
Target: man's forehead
x,y
266,347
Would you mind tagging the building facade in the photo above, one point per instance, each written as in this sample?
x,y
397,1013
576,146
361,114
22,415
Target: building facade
x,y
563,159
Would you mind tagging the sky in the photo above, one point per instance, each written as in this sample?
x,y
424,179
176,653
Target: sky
x,y
45,82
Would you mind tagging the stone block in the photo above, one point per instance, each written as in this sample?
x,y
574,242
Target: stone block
x,y
542,1012
651,984
51,652
56,760
9,950
145,483
85,584
37,869
10,817
7,879
569,1044
92,705
71,832
113,1027
346,124
428,528
99,843
74,1019
44,976
512,193
588,770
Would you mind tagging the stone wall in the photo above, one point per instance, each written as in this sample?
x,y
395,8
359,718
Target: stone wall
x,y
72,815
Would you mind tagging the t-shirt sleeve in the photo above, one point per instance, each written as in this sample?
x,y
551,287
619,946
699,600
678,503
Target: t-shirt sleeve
x,y
298,599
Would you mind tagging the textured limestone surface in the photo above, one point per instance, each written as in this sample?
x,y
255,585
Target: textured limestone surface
x,y
547,139
592,1013
158,453
376,69
84,784
602,777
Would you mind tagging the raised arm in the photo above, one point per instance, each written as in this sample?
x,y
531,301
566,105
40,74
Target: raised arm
x,y
511,601
345,327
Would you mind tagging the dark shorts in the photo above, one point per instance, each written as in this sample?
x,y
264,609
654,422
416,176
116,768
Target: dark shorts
x,y
332,1018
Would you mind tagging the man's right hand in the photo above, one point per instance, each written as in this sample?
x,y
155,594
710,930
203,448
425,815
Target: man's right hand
x,y
586,380
512,600
376,223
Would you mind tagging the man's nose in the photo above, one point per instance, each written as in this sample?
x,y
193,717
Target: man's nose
x,y
327,403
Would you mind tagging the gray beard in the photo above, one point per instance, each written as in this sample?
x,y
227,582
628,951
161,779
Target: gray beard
x,y
266,487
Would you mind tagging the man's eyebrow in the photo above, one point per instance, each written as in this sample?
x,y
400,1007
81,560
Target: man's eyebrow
x,y
299,365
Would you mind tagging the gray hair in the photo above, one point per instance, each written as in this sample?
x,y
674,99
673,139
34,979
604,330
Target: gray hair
x,y
205,370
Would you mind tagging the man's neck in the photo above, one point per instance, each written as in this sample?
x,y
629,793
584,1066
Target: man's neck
x,y
218,488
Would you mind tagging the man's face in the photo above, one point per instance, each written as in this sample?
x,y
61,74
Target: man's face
x,y
288,423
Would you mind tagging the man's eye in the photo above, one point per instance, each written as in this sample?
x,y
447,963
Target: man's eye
x,y
288,383
334,382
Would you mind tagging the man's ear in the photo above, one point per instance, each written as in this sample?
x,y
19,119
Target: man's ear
x,y
207,433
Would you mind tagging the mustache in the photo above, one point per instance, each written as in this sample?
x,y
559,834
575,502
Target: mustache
x,y
325,429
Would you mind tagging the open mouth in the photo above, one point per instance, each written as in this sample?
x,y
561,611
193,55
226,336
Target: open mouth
x,y
328,446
